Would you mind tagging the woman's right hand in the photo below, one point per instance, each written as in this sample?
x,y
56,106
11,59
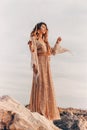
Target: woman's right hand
x,y
29,42
35,70
31,46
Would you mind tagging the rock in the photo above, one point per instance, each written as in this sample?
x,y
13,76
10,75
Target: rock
x,y
67,122
82,123
72,119
14,116
6,118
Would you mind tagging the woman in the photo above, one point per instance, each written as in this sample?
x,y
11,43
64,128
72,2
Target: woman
x,y
42,98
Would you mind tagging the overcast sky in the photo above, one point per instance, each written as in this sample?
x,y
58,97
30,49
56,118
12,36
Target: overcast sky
x,y
65,18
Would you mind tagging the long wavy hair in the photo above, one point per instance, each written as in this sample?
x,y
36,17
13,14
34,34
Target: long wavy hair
x,y
44,36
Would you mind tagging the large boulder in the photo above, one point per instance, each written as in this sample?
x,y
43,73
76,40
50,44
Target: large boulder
x,y
14,116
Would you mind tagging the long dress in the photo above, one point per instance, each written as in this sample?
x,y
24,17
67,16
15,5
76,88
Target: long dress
x,y
42,99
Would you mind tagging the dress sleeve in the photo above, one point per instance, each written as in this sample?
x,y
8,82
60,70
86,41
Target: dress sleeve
x,y
57,49
33,50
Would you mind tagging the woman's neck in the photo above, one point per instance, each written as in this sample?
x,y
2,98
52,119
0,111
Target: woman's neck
x,y
40,36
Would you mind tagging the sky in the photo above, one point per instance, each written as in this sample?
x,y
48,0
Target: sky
x,y
67,19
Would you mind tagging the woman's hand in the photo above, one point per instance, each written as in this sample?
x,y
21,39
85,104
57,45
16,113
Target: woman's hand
x,y
30,45
35,70
58,40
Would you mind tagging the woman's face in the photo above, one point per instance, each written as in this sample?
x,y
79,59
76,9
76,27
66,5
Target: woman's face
x,y
43,29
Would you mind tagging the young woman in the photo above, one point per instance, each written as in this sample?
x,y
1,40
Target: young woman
x,y
42,98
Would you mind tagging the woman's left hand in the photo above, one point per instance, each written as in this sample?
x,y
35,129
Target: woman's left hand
x,y
59,39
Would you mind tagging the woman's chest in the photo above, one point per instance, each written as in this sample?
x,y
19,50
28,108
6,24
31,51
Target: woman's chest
x,y
41,47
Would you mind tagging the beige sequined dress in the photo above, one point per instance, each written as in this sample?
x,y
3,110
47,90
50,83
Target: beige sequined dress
x,y
42,99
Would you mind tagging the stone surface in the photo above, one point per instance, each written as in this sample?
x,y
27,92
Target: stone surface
x,y
14,116
72,119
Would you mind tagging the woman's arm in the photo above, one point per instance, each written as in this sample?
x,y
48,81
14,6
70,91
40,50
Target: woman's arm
x,y
34,57
57,49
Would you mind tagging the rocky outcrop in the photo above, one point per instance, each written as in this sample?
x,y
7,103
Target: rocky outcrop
x,y
72,119
14,116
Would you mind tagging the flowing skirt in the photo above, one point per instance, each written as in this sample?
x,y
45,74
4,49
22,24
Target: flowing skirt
x,y
42,99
